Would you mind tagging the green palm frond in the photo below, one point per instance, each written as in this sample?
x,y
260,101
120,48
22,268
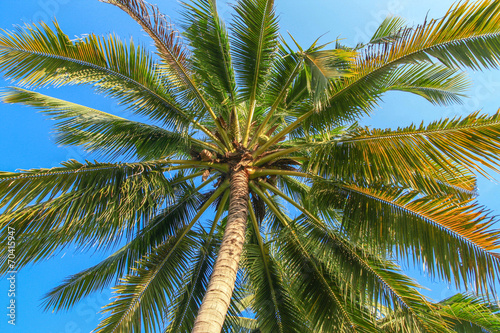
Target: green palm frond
x,y
18,189
254,44
143,295
401,155
392,218
366,278
467,36
158,275
244,325
96,206
321,68
166,224
186,303
39,56
211,55
274,309
163,33
104,133
181,315
438,84
470,314
374,283
174,54
317,290
320,294
284,72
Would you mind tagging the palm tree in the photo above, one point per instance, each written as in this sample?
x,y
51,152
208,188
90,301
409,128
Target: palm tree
x,y
311,211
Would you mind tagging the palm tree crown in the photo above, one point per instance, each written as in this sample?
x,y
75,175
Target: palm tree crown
x,y
310,211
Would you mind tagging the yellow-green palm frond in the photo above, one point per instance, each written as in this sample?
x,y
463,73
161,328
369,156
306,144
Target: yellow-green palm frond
x,y
366,279
407,225
389,30
436,154
93,204
470,314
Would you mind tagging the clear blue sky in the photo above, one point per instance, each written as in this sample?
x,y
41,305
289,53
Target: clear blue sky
x,y
25,140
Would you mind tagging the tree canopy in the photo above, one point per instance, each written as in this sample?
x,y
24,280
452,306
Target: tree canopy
x,y
251,200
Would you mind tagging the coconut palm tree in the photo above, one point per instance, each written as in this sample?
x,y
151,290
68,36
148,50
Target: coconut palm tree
x,y
250,185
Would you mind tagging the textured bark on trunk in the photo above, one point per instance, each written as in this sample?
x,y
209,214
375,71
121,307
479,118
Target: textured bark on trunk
x,y
220,289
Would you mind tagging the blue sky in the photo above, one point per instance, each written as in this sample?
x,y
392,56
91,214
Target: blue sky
x,y
25,140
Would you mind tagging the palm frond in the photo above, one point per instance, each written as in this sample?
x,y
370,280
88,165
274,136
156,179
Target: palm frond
x,y
255,40
104,133
440,150
143,295
211,57
470,314
272,305
96,206
438,84
367,279
283,73
174,54
320,294
467,36
166,224
166,37
38,56
18,189
388,31
182,314
185,305
394,219
321,68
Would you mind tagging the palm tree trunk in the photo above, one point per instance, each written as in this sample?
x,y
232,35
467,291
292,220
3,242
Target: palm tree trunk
x,y
220,289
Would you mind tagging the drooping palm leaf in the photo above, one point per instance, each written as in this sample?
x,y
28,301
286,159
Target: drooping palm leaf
x,y
182,313
274,309
375,213
145,293
467,36
369,280
469,314
164,225
104,133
